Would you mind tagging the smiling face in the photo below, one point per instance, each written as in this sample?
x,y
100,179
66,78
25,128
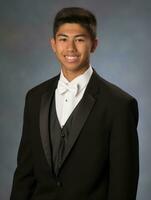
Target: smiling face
x,y
72,46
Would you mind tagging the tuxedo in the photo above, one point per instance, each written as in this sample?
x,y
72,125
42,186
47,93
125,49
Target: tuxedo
x,y
101,161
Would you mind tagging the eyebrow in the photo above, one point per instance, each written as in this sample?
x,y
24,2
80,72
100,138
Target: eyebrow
x,y
64,35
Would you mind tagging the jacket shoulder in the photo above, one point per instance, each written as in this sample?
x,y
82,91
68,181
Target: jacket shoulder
x,y
112,91
116,99
43,87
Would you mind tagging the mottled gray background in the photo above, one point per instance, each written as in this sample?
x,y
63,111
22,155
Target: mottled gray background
x,y
123,57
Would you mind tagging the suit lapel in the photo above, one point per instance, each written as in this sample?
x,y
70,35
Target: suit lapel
x,y
44,121
82,112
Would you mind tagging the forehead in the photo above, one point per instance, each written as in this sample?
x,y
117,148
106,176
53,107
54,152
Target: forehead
x,y
72,29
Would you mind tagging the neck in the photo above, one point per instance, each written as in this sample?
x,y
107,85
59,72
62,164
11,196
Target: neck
x,y
72,74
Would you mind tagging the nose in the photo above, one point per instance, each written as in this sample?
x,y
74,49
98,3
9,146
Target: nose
x,y
71,45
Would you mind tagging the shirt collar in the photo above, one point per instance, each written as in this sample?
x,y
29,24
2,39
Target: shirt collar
x,y
81,80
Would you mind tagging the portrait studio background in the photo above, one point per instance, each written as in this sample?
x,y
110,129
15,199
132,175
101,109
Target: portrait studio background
x,y
123,57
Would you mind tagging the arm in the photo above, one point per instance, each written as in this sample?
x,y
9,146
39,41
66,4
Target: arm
x,y
24,182
124,155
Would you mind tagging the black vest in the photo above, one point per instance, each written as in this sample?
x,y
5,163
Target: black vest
x,y
59,136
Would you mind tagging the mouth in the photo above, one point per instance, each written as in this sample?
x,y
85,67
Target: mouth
x,y
71,58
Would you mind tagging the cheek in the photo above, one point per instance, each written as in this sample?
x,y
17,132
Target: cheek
x,y
84,49
59,46
59,49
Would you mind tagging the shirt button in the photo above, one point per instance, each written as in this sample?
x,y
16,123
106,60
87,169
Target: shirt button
x,y
62,135
59,184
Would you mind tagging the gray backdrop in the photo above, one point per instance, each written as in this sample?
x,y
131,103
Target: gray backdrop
x,y
123,57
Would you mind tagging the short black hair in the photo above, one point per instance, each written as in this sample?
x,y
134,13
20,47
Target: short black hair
x,y
76,15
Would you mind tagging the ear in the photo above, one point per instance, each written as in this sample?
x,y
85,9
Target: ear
x,y
52,43
94,45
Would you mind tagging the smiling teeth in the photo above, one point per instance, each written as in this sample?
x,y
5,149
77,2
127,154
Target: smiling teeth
x,y
71,58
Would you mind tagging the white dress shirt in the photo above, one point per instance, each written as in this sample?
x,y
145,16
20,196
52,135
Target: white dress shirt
x,y
68,94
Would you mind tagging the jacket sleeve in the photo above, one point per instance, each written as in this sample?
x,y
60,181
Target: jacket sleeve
x,y
24,181
124,152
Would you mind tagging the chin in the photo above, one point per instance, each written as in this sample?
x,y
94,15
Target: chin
x,y
72,68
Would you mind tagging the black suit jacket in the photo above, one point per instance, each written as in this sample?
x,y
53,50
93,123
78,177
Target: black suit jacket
x,y
101,162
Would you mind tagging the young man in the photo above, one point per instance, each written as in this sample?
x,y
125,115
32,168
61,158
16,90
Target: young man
x,y
79,137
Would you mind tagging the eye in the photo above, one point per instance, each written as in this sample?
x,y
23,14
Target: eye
x,y
62,39
79,40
